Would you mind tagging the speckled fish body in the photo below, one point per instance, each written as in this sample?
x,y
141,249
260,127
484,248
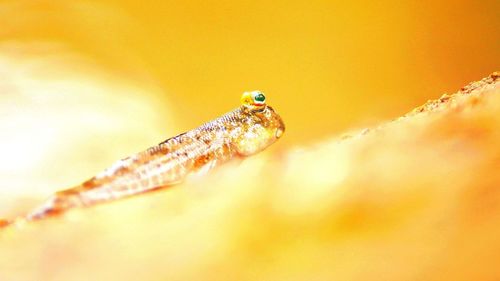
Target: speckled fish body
x,y
241,132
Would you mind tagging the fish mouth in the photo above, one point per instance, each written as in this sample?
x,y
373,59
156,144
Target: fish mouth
x,y
281,128
279,133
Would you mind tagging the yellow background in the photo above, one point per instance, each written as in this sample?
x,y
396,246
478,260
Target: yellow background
x,y
84,83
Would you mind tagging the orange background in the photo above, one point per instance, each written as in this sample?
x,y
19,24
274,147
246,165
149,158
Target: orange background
x,y
84,83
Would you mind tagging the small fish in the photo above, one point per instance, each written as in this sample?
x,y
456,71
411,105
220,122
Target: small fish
x,y
242,132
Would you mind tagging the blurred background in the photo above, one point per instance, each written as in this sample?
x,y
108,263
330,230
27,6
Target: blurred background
x,y
84,83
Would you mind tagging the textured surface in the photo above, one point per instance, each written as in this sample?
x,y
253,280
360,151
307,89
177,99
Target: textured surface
x,y
413,199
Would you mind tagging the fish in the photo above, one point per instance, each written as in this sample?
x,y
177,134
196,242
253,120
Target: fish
x,y
240,133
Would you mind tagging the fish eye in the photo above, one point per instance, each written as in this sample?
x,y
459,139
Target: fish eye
x,y
254,100
259,98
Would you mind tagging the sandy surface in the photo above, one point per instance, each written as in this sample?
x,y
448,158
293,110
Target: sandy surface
x,y
416,198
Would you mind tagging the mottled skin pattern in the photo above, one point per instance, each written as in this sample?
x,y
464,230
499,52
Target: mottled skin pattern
x,y
241,132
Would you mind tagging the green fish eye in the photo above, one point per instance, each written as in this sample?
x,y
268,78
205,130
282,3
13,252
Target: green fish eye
x,y
260,97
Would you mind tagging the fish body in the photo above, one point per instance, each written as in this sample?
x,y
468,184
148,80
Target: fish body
x,y
242,132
